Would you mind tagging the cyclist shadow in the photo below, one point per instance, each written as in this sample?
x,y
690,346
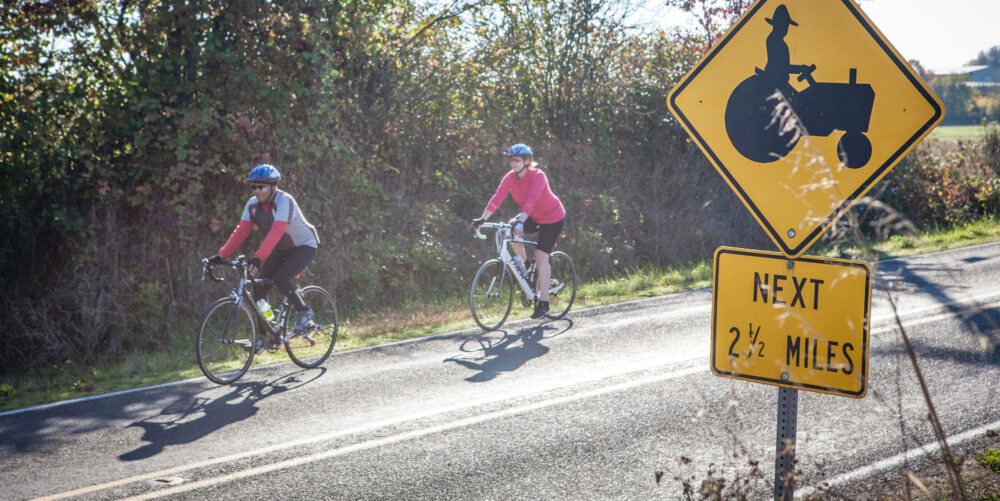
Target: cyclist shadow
x,y
190,419
494,356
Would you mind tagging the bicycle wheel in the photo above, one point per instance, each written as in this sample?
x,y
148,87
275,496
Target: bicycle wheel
x,y
225,341
492,295
562,285
313,345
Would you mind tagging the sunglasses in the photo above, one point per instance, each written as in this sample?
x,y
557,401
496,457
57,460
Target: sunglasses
x,y
261,187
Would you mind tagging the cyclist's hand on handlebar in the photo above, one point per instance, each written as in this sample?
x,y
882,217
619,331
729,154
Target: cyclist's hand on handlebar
x,y
210,264
477,222
517,225
253,266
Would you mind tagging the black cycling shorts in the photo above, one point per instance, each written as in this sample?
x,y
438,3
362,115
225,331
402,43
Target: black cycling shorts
x,y
547,233
282,266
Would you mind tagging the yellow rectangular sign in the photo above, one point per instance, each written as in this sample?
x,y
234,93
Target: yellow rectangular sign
x,y
799,323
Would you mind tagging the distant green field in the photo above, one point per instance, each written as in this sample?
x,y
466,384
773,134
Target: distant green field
x,y
958,132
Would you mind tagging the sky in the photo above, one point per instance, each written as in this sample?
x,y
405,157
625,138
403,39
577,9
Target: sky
x,y
940,34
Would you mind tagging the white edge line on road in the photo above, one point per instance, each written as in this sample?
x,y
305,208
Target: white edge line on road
x,y
354,447
898,459
973,300
455,333
405,436
93,397
984,299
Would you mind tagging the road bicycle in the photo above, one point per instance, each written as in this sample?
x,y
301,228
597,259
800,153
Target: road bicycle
x,y
492,294
234,329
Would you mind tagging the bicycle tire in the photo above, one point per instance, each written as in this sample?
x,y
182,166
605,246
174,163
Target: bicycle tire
x,y
492,295
562,291
314,346
226,340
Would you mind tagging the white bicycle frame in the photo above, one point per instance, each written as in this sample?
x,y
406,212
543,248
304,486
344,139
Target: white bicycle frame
x,y
503,239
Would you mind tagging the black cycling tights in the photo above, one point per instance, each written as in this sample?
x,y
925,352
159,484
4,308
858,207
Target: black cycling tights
x,y
282,266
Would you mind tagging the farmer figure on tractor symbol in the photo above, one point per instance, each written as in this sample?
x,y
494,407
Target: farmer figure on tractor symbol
x,y
821,108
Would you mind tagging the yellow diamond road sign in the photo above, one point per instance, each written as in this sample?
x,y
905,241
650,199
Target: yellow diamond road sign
x,y
799,323
802,106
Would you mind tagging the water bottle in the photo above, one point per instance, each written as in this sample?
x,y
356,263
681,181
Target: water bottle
x,y
265,309
520,265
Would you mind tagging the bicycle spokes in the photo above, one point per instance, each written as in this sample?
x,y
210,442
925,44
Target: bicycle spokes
x,y
491,295
229,334
311,346
233,330
562,285
225,340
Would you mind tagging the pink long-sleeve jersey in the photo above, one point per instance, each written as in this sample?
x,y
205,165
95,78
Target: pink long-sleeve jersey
x,y
532,194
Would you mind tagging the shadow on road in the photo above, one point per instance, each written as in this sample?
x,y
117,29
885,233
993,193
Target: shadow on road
x,y
184,413
981,323
491,353
189,419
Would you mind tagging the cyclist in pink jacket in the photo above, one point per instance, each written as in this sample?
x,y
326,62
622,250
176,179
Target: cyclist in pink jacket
x,y
541,212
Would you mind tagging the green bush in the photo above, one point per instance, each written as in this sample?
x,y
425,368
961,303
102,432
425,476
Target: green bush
x,y
939,184
989,458
123,151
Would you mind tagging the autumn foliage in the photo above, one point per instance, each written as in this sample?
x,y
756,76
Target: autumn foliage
x,y
128,127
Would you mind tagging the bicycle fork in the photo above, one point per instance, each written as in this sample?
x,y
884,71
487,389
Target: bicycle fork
x,y
230,336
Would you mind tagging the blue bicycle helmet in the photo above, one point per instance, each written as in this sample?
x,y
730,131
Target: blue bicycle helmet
x,y
264,174
518,150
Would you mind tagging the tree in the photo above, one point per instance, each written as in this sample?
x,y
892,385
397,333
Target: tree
x,y
126,129
956,97
990,57
713,16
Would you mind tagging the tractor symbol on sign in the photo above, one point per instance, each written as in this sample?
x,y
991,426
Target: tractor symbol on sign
x,y
822,107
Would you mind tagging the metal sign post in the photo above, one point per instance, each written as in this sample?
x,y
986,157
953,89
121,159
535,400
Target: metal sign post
x,y
858,109
784,450
793,323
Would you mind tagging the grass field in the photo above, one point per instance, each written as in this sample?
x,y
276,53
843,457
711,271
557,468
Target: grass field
x,y
959,131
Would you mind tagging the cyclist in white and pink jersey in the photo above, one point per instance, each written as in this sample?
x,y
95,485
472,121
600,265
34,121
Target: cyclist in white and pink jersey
x,y
541,211
289,245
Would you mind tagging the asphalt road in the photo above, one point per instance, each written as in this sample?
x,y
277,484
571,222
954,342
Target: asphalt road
x,y
613,402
